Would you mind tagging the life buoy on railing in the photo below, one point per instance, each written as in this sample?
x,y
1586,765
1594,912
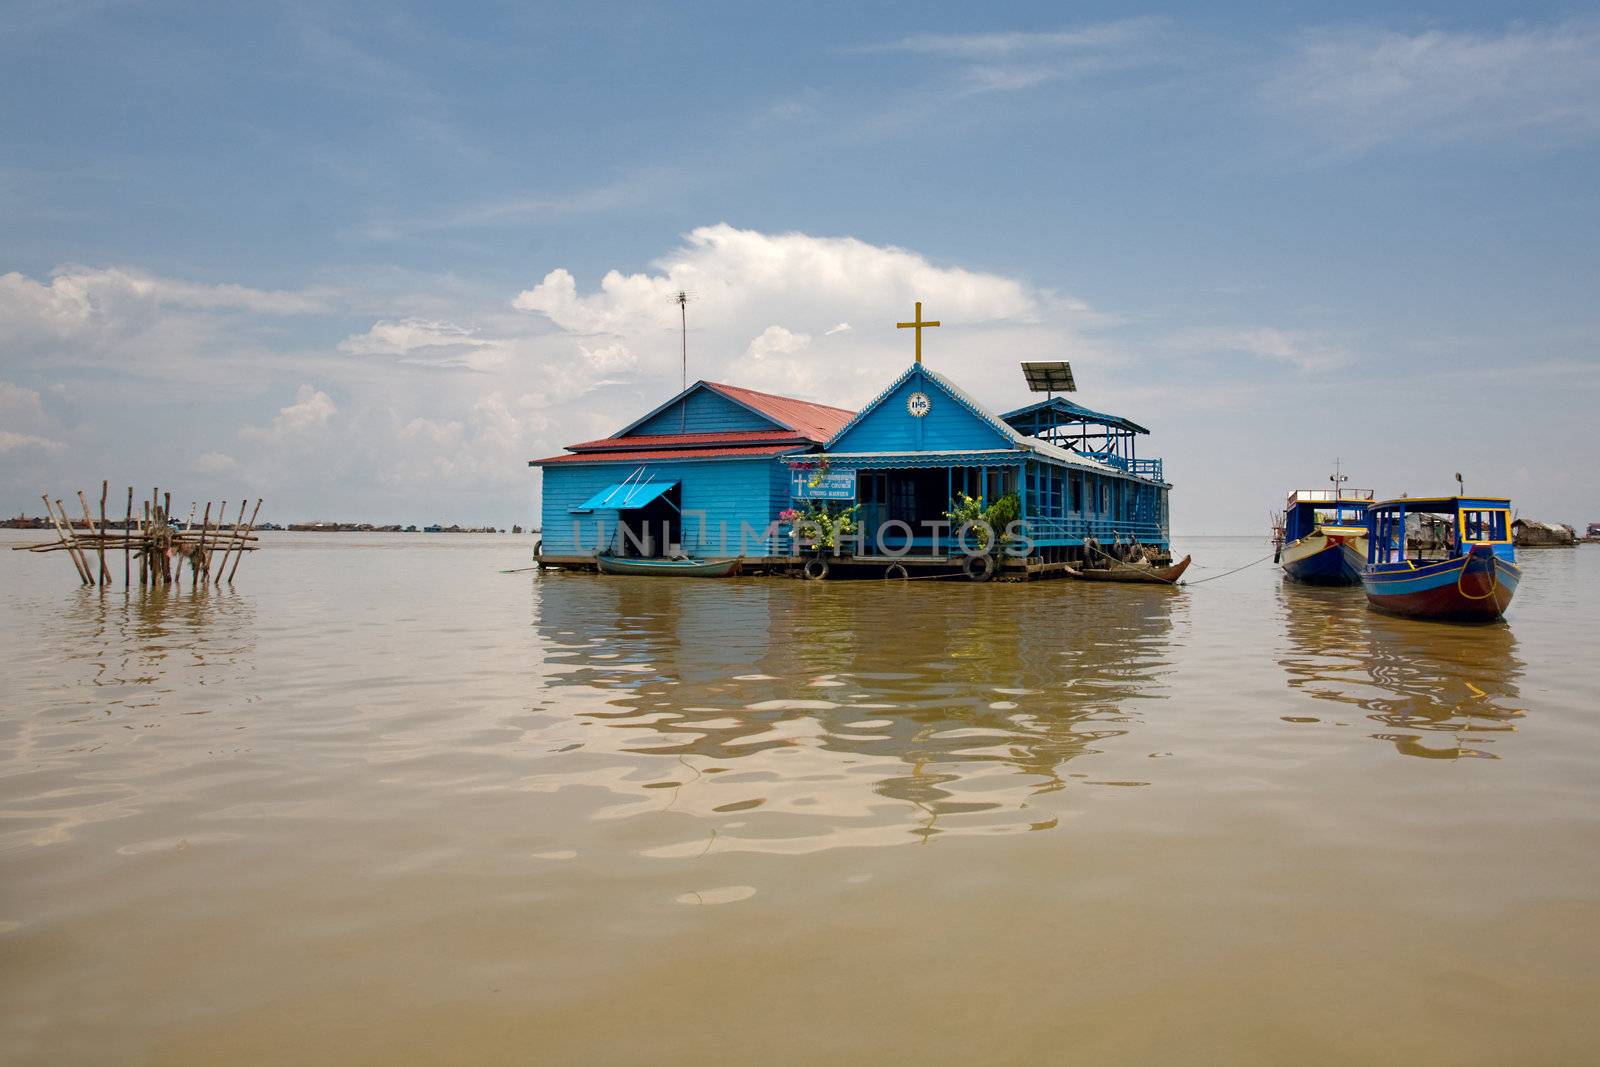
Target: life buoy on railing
x,y
816,569
896,570
538,548
978,568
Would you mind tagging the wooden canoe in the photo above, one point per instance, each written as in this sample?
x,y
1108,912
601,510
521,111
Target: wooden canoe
x,y
675,568
1128,572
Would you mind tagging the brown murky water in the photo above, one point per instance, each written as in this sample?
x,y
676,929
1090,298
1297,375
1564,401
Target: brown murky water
x,y
384,804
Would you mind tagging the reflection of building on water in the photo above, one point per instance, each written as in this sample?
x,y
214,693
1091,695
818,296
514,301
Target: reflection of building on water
x,y
1437,691
961,708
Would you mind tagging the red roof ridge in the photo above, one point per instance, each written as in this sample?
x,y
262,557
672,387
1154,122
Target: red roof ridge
x,y
818,422
778,396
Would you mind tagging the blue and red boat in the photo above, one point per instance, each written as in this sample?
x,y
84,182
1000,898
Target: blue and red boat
x,y
1441,558
1321,537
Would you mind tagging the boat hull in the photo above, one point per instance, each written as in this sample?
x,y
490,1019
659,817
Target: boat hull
x,y
1130,573
1322,559
671,568
1473,588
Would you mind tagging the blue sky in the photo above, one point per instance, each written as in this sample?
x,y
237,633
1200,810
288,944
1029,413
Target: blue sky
x,y
351,257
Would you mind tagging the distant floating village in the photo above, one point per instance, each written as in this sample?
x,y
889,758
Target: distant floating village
x,y
27,522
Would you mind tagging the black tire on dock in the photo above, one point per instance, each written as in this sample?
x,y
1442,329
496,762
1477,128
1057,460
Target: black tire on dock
x,y
978,568
896,570
816,569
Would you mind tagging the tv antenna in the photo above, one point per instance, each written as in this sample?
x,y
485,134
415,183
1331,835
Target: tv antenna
x,y
682,298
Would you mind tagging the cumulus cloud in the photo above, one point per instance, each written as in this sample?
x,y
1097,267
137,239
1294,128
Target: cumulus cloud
x,y
744,279
312,410
777,341
1363,88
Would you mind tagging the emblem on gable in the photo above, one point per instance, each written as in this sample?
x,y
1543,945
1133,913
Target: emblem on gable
x,y
918,404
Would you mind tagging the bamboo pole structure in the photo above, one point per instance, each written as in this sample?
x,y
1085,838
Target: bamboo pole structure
x,y
76,548
240,555
88,522
162,547
233,536
83,572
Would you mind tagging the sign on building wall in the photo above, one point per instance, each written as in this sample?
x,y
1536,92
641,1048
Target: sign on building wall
x,y
831,485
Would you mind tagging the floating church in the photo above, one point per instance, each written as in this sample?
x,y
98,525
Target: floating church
x,y
720,471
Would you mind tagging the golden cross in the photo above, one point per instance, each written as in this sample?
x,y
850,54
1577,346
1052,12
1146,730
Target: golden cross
x,y
917,325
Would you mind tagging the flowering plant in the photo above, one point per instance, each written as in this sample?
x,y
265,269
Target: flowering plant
x,y
819,524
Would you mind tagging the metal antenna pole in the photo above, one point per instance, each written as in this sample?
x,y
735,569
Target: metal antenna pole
x,y
682,299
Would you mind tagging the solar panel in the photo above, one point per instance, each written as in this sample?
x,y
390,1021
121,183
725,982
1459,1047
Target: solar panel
x,y
1049,377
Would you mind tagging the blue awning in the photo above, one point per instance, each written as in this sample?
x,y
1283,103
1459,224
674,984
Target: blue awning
x,y
625,495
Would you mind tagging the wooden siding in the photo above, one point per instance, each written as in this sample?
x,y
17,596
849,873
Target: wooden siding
x,y
948,426
729,492
703,411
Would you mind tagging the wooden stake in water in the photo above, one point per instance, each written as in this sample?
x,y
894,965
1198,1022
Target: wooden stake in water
x,y
66,540
233,538
250,526
127,544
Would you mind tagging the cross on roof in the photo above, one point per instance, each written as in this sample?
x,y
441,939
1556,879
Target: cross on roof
x,y
917,325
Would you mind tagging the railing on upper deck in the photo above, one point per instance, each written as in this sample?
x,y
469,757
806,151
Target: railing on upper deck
x,y
1076,529
1331,496
1140,468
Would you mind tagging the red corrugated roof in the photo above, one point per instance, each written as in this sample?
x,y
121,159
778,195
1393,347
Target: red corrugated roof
x,y
691,440
675,453
817,422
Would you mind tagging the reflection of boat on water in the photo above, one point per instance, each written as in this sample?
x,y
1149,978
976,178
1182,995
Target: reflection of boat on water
x,y
1470,577
807,707
1321,537
1421,684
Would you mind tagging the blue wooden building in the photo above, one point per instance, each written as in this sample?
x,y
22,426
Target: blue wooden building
x,y
709,473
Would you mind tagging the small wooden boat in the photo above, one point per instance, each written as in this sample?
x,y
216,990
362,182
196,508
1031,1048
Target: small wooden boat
x,y
1474,585
1117,571
676,568
1321,537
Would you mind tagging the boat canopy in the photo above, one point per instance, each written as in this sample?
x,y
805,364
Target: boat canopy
x,y
625,495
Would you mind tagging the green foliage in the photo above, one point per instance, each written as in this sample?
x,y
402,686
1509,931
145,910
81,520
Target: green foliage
x,y
984,522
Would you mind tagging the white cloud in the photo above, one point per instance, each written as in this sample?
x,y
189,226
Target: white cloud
x,y
17,442
777,341
1361,89
743,280
215,463
1011,61
311,411
1096,36
1296,348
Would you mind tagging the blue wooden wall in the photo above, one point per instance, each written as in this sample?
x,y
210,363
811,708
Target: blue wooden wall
x,y
752,491
948,425
702,411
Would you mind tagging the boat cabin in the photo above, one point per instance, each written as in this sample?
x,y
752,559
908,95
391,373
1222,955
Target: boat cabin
x,y
1308,510
1432,529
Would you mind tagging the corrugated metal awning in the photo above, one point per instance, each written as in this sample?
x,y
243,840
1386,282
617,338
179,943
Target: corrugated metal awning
x,y
625,495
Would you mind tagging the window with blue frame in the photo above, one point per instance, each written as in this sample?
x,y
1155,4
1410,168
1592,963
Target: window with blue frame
x,y
1484,525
